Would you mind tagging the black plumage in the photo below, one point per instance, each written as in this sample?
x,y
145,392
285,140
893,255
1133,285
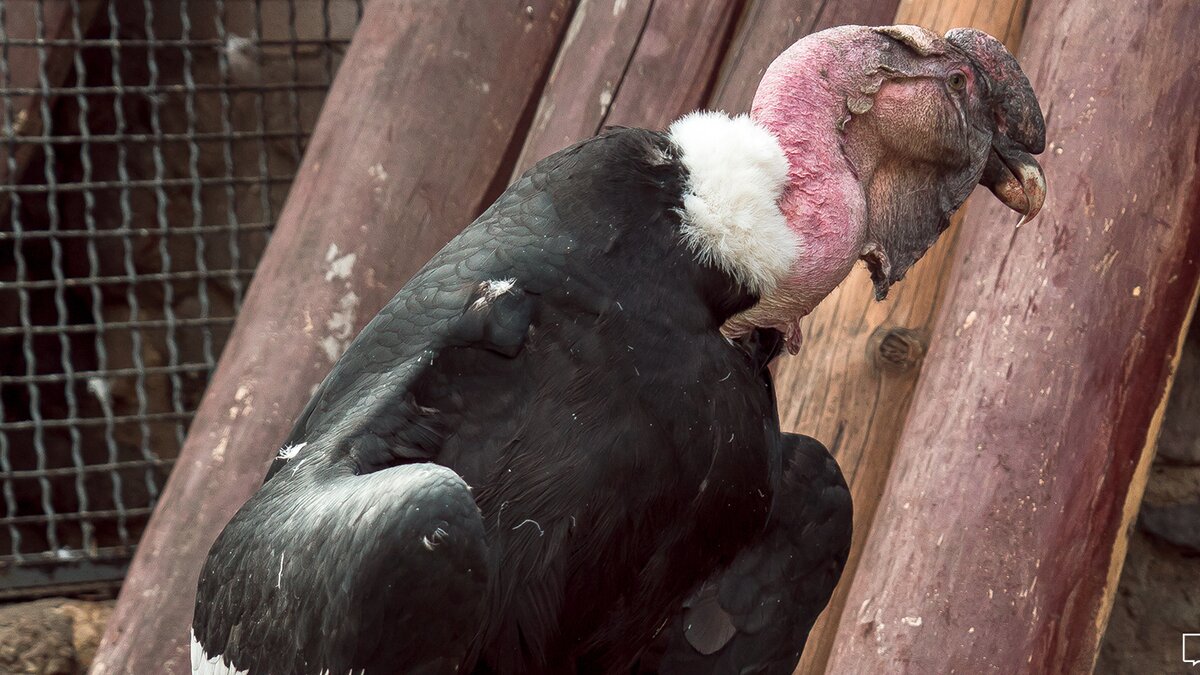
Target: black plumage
x,y
563,358
755,616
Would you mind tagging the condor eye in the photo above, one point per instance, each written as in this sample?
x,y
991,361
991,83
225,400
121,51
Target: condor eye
x,y
957,81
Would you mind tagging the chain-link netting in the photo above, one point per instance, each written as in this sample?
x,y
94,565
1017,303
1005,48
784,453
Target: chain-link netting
x,y
146,150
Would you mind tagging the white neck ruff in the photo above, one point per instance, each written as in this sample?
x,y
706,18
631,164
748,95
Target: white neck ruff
x,y
737,173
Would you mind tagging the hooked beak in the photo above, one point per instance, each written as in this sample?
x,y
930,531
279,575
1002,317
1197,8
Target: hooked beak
x,y
1016,179
1011,172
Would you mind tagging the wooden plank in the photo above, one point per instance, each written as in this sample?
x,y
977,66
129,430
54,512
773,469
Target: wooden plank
x,y
675,62
999,540
770,26
594,54
414,128
628,62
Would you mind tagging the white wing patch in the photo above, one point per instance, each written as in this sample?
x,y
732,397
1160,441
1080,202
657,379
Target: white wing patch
x,y
490,290
203,664
737,172
290,451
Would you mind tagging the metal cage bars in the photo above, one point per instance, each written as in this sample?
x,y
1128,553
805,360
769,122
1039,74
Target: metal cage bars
x,y
145,158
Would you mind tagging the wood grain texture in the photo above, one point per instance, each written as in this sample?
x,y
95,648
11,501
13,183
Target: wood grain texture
x,y
852,383
768,27
639,63
999,540
413,131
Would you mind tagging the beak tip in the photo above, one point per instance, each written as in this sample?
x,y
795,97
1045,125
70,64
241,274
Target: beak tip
x,y
1035,192
1019,182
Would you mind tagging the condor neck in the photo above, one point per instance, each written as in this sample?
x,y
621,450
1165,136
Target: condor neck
x,y
824,201
823,204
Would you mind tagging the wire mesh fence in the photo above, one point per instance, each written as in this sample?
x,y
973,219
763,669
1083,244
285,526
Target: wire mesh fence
x,y
146,150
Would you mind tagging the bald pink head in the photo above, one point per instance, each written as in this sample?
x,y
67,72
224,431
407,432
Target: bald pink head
x,y
886,131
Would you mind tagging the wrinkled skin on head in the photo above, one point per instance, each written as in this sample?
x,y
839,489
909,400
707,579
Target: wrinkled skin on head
x,y
929,119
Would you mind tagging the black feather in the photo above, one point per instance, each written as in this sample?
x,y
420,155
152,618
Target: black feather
x,y
776,588
618,448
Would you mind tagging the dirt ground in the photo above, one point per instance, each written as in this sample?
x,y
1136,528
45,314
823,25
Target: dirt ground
x,y
51,637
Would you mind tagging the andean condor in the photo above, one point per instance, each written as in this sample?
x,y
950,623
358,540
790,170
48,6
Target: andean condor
x,y
556,449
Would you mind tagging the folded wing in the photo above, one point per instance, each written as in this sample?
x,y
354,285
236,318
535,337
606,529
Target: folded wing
x,y
755,617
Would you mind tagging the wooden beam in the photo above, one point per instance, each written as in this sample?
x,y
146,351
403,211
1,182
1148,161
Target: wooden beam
x,y
676,62
636,63
852,383
768,27
594,55
999,540
413,131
